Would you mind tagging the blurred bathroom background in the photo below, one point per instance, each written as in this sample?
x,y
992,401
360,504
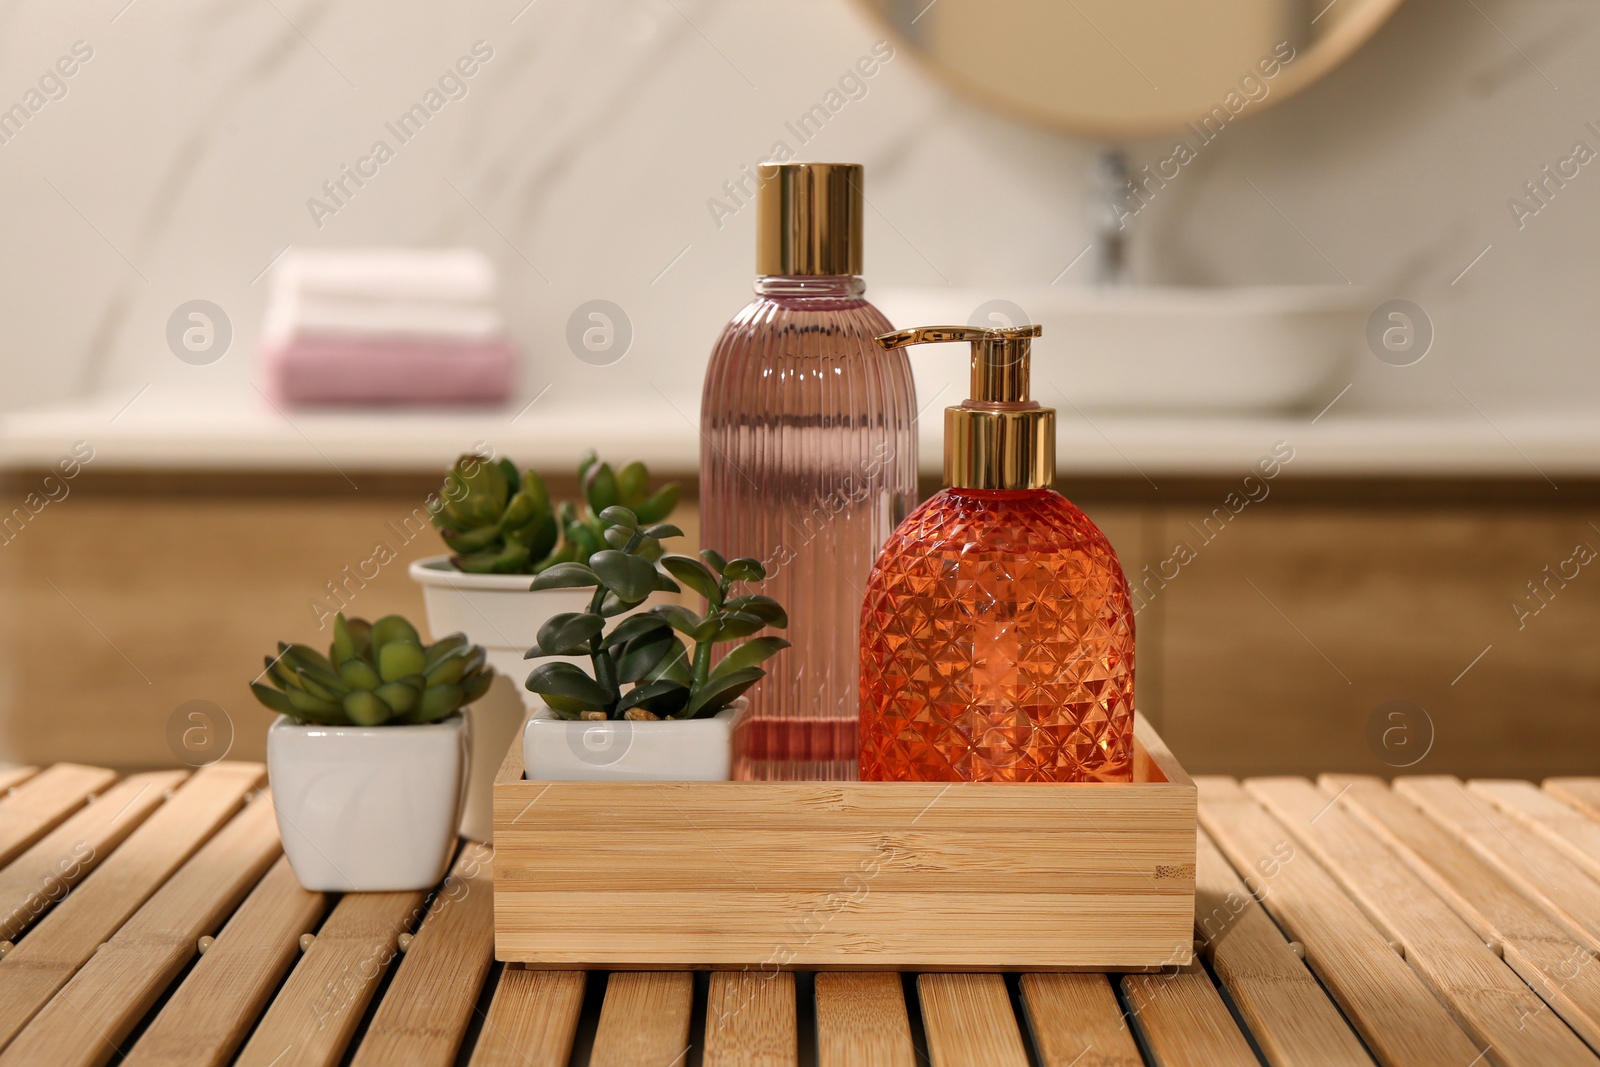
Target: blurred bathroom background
x,y
1409,589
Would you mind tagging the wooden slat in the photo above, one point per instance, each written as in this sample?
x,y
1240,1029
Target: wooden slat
x,y
532,1019
61,859
1581,793
424,1014
313,1017
1389,1005
1075,1020
87,1021
1537,868
1291,1018
11,777
43,802
862,1020
644,1019
1184,1021
207,1018
63,940
1492,1003
1533,945
969,1021
1560,825
750,1020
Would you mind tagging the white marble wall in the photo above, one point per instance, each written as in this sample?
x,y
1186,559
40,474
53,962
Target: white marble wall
x,y
582,158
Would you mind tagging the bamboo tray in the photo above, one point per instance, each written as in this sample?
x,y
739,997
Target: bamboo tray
x,y
842,875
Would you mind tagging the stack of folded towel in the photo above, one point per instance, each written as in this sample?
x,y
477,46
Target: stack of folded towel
x,y
386,326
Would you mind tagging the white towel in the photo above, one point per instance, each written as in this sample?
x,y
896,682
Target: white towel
x,y
291,314
445,274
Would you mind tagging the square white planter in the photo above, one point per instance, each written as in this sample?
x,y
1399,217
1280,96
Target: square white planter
x,y
368,808
670,750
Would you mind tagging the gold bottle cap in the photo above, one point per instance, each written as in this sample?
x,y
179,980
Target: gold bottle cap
x,y
998,438
808,219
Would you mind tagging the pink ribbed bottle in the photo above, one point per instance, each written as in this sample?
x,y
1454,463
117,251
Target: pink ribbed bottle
x,y
807,462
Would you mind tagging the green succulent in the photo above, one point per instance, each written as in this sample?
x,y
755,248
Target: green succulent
x,y
374,674
648,651
497,521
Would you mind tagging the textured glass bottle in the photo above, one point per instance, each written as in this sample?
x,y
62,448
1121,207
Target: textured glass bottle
x,y
997,632
808,462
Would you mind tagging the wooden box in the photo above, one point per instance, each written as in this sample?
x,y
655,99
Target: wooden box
x,y
644,875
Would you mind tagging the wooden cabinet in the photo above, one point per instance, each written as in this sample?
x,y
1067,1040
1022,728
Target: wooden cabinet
x,y
1288,643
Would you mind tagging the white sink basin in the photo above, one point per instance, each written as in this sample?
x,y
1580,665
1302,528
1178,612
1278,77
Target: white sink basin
x,y
1156,349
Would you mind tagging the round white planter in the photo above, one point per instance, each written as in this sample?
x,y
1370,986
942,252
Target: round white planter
x,y
668,750
368,808
499,612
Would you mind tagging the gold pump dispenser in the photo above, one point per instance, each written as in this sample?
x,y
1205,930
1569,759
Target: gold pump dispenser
x,y
998,438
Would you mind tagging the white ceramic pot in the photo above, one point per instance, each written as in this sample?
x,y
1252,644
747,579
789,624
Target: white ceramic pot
x,y
494,718
499,612
669,750
368,808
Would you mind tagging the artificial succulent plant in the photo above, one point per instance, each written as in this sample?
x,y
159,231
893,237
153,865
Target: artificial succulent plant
x,y
374,674
647,651
499,521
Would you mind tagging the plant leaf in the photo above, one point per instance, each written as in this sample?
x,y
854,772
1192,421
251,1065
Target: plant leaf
x,y
632,627
694,574
627,576
718,693
764,608
749,654
273,699
568,633
392,628
736,624
633,482
616,515
641,656
662,529
713,559
678,617
675,666
613,605
566,681
659,505
344,646
600,488
509,558
317,689
469,541
446,646
475,685
744,569
566,576
664,698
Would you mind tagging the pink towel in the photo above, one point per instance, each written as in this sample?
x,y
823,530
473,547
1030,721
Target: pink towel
x,y
310,369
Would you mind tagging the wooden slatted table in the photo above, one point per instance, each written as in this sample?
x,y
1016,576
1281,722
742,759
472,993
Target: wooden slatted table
x,y
153,920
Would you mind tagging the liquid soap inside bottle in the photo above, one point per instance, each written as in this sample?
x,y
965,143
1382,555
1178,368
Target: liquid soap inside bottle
x,y
997,631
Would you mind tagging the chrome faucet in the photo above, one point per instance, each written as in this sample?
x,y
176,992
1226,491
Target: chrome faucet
x,y
1108,192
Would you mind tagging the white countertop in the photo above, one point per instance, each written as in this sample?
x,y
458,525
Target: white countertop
x,y
164,428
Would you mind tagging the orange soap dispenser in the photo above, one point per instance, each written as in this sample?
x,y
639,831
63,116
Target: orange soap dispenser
x,y
997,632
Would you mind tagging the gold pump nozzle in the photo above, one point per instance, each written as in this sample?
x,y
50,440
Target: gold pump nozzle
x,y
998,438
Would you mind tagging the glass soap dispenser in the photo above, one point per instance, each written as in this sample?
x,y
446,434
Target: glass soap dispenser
x,y
997,630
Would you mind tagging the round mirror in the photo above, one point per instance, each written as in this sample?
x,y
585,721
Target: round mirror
x,y
1126,69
